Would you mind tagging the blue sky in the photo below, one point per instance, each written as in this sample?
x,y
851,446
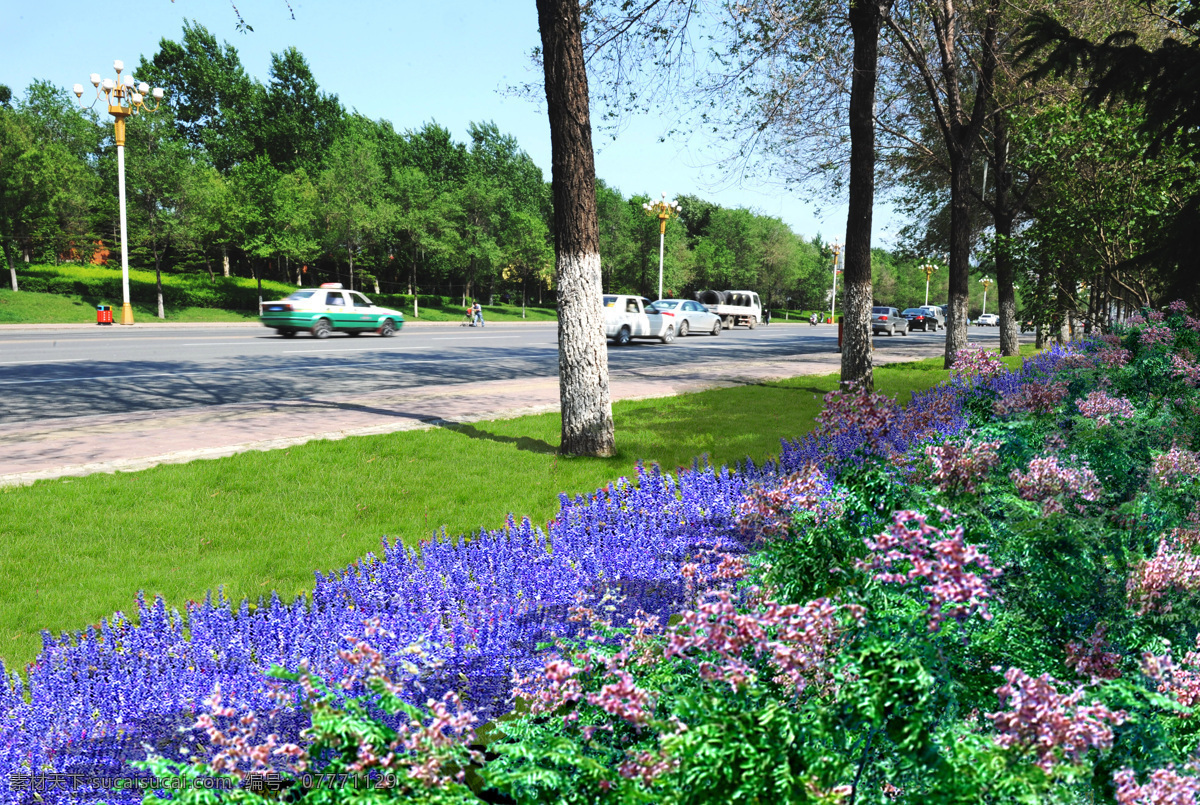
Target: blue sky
x,y
406,62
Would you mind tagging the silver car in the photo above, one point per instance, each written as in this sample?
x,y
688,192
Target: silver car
x,y
888,320
690,316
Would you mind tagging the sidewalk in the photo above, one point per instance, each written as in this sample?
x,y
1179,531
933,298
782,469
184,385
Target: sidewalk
x,y
126,442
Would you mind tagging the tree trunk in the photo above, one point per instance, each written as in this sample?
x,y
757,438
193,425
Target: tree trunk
x,y
960,253
587,422
352,269
225,259
12,270
208,265
162,311
1003,221
866,18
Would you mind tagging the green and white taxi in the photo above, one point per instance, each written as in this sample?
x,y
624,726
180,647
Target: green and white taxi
x,y
323,310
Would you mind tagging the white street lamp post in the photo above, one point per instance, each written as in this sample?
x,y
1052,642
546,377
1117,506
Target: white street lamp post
x,y
928,268
124,98
663,210
987,283
837,251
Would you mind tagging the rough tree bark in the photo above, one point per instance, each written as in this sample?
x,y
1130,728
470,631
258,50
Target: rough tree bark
x,y
587,423
1003,218
866,20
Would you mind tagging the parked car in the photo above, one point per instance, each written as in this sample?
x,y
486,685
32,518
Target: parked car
x,y
734,307
629,317
327,309
690,316
889,320
920,318
988,320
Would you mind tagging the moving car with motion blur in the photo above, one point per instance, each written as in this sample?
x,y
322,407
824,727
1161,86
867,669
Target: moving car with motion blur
x,y
987,320
328,309
628,317
690,316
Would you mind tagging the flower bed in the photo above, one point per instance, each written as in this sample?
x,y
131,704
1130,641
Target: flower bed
x,y
1020,463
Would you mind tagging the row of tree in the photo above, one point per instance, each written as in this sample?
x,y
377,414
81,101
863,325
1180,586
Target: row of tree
x,y
233,176
1057,159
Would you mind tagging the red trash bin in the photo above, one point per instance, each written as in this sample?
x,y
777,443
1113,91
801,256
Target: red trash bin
x,y
103,314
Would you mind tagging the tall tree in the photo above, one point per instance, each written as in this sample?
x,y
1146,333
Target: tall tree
x,y
1160,70
866,19
154,180
935,41
214,102
587,422
353,190
297,122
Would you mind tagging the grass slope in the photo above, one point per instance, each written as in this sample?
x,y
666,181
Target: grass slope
x,y
77,289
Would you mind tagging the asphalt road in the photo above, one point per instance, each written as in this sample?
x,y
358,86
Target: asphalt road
x,y
60,374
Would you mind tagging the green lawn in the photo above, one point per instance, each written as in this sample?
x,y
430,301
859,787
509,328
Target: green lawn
x,y
27,307
74,550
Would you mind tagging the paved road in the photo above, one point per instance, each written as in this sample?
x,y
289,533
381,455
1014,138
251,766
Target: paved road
x,y
84,399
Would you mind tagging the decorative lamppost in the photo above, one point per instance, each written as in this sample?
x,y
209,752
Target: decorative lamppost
x,y
928,268
664,210
837,251
987,283
124,98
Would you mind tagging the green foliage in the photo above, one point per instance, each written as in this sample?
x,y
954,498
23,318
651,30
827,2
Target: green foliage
x,y
815,559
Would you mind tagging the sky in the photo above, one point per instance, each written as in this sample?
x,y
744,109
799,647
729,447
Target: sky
x,y
448,61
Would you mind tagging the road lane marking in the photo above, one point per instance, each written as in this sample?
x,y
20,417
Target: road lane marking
x,y
141,375
55,360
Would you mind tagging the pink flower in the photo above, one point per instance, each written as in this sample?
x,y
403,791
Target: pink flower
x,y
1042,396
1175,566
1054,726
1185,369
767,510
1093,660
1112,358
1178,306
958,468
1101,407
1175,465
855,410
796,640
941,559
1179,680
1156,334
1048,482
976,363
1164,787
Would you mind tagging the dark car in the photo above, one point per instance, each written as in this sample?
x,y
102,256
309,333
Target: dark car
x,y
919,319
887,320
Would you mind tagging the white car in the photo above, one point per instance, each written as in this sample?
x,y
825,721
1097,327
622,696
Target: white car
x,y
627,317
988,320
690,316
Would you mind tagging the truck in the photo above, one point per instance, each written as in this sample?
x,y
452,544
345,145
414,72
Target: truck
x,y
627,317
734,307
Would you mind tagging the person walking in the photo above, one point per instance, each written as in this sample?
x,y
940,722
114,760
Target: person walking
x,y
478,313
